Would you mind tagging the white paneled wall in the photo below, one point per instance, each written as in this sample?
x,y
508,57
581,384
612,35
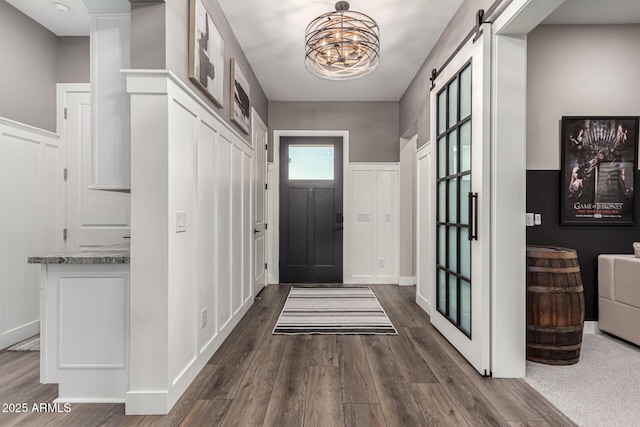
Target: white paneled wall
x,y
188,288
31,163
373,224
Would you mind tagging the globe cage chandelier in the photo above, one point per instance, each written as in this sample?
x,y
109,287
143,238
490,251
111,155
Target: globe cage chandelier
x,y
342,45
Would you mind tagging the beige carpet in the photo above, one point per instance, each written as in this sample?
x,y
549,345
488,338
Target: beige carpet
x,y
602,389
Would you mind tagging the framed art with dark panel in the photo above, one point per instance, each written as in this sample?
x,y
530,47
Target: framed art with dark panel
x,y
599,160
206,53
240,107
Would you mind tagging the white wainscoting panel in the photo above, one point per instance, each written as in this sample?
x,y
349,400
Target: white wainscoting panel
x,y
31,164
361,225
184,153
223,191
387,224
373,223
182,191
425,244
236,229
247,227
206,238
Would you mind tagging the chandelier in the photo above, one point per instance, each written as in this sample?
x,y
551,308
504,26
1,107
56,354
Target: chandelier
x,y
342,45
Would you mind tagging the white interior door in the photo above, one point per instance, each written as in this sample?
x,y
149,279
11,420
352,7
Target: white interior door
x,y
259,141
460,176
94,217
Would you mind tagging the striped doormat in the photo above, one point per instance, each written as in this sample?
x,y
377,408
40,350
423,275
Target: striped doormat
x,y
331,310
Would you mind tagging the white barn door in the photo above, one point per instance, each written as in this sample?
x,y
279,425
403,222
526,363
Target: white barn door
x,y
460,107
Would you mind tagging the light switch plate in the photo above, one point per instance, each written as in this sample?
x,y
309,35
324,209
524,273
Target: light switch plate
x,y
181,222
529,219
537,219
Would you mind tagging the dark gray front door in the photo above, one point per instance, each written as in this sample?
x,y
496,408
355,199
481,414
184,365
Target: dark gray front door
x,y
311,215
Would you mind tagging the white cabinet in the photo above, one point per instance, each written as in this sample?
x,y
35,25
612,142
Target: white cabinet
x,y
85,331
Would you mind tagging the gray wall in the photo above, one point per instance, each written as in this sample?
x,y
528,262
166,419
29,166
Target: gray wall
x,y
29,70
577,70
73,60
414,104
148,36
372,126
160,39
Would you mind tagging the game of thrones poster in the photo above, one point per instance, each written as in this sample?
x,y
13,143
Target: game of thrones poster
x,y
598,165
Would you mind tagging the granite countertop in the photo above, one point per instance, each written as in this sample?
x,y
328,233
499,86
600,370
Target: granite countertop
x,y
107,254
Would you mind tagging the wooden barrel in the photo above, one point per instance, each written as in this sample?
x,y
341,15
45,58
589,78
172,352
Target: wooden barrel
x,y
555,305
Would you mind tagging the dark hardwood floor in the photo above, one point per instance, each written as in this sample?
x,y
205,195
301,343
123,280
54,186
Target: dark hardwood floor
x,y
258,379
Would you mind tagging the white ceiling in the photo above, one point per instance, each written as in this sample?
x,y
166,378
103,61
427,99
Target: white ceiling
x,y
72,23
271,34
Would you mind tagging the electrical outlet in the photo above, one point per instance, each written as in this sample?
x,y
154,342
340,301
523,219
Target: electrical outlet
x,y
181,222
204,318
381,262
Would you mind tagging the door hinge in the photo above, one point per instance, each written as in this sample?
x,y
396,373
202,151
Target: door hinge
x,y
64,173
266,146
266,226
65,114
266,186
265,265
64,234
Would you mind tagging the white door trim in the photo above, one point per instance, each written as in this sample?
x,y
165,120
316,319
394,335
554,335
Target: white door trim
x,y
256,120
424,252
508,177
274,198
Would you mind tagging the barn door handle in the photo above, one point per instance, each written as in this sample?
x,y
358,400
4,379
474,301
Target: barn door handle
x,y
473,216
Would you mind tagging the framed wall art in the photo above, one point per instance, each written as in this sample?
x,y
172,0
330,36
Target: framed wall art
x,y
599,160
240,107
206,53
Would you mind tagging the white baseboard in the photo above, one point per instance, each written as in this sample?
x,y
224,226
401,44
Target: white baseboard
x,y
87,400
160,402
370,280
591,327
407,281
21,333
423,303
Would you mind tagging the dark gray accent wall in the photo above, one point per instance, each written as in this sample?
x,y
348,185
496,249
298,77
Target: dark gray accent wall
x,y
575,70
29,70
589,241
74,61
175,44
372,126
415,103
